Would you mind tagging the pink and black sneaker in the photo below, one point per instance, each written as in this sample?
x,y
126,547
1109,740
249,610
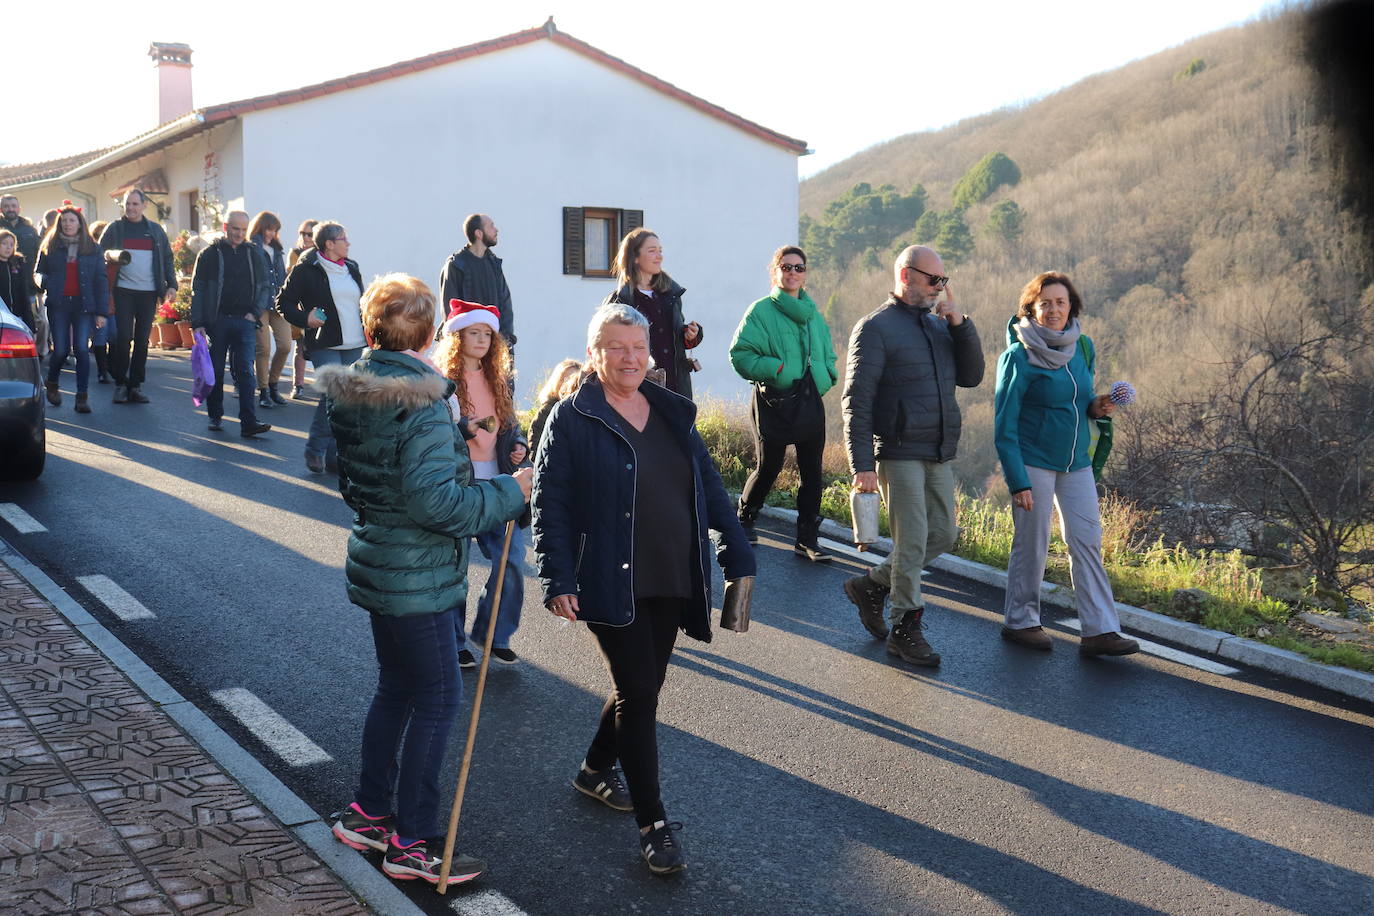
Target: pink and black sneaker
x,y
405,863
359,831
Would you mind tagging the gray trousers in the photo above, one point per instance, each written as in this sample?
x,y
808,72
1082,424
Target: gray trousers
x,y
920,510
1076,496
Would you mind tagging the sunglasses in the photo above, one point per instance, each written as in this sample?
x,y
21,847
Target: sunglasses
x,y
792,268
936,280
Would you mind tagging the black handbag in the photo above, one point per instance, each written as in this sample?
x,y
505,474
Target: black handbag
x,y
792,414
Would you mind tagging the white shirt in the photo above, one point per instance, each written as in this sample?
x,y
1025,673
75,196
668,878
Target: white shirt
x,y
346,299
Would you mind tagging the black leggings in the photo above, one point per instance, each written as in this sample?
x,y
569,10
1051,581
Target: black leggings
x,y
769,456
637,656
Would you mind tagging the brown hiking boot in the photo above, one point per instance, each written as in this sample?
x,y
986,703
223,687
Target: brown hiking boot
x,y
906,641
82,404
54,394
1030,637
1107,644
869,597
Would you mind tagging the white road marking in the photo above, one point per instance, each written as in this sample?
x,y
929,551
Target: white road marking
x,y
487,903
285,740
122,604
21,520
1173,655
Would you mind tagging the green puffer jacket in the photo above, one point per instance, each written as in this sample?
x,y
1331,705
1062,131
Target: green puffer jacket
x,y
771,335
405,472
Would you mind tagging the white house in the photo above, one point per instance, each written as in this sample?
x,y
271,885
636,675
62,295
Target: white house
x,y
563,144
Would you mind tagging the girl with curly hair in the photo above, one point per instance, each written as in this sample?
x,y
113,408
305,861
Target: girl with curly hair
x,y
475,357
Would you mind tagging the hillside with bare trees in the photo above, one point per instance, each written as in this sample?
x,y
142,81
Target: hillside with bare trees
x,y
1190,196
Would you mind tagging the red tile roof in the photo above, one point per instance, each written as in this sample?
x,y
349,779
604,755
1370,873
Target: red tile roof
x,y
11,175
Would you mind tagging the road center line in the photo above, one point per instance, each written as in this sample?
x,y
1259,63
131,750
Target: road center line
x,y
486,903
1165,652
20,520
122,604
284,739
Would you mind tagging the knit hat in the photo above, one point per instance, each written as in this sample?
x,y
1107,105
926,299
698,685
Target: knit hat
x,y
466,314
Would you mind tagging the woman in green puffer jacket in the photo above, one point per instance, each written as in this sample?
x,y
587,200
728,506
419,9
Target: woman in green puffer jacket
x,y
782,338
404,471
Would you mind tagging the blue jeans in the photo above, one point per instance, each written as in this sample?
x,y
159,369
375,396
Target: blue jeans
x,y
238,339
419,693
512,590
71,328
321,441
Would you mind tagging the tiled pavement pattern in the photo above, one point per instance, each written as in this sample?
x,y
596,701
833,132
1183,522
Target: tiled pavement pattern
x,y
107,807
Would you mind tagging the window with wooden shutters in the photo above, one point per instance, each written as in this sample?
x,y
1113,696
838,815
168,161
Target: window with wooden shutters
x,y
591,236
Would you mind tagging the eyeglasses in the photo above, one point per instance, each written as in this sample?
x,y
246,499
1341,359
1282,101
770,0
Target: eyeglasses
x,y
792,268
936,280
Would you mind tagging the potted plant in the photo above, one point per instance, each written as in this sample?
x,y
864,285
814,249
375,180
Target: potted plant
x,y
182,305
183,254
169,338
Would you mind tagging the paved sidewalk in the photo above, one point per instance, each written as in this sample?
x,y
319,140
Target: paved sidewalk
x,y
107,806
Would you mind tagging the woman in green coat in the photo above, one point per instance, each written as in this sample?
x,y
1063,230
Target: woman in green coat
x,y
405,473
783,346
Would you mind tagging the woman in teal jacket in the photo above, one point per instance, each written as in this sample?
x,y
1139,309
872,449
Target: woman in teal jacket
x,y
1044,401
405,473
781,338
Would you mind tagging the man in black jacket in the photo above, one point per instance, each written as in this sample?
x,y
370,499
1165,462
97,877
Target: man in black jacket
x,y
24,232
474,274
148,277
901,430
230,289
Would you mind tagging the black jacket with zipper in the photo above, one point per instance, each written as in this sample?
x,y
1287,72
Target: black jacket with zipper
x,y
904,364
307,289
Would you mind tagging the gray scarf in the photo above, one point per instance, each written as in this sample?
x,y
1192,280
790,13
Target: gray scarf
x,y
1048,349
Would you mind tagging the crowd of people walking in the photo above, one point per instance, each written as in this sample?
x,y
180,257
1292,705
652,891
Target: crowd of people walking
x,y
614,484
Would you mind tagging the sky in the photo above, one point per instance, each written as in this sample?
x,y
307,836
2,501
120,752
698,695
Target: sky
x,y
841,76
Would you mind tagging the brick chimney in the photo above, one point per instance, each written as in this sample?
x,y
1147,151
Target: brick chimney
x,y
173,63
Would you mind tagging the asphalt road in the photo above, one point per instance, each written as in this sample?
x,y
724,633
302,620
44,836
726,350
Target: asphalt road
x,y
813,774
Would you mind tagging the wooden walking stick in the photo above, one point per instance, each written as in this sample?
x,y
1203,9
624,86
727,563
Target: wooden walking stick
x,y
476,711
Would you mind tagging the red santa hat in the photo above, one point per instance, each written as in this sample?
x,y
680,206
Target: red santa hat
x,y
466,314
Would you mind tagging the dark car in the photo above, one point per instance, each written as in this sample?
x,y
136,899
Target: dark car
x,y
23,437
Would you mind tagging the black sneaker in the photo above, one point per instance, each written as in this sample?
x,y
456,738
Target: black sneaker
x,y
660,850
906,642
505,656
136,396
810,551
747,517
414,861
297,393
253,429
466,659
216,424
606,787
358,831
869,597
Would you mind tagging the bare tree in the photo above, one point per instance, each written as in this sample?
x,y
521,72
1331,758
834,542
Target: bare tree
x,y
1284,439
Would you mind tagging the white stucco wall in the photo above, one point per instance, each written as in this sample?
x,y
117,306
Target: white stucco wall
x,y
520,134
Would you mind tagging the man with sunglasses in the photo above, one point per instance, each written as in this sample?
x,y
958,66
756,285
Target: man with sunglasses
x,y
901,431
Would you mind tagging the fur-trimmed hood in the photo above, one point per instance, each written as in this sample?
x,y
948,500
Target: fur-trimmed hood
x,y
382,379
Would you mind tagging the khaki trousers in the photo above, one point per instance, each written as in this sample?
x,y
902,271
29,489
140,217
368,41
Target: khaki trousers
x,y
276,329
920,511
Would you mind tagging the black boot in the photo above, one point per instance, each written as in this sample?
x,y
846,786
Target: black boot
x,y
275,395
808,531
264,399
746,520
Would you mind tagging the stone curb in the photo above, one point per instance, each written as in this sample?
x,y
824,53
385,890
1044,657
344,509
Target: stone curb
x,y
370,886
1355,684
